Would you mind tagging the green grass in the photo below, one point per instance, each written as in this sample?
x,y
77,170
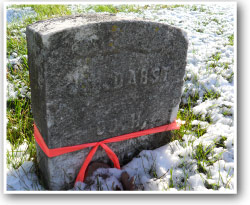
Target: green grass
x,y
20,118
46,11
15,41
225,65
199,8
213,186
19,115
231,40
203,155
49,11
201,152
215,61
200,30
160,6
186,114
211,95
219,31
115,9
221,142
104,8
216,56
215,20
109,8
171,182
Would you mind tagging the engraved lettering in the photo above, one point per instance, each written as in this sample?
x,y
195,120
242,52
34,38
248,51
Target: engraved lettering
x,y
124,125
113,125
164,71
100,128
118,82
132,78
106,86
144,76
141,77
135,120
129,121
156,74
144,125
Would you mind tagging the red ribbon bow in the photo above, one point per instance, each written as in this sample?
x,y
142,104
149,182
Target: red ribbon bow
x,y
81,175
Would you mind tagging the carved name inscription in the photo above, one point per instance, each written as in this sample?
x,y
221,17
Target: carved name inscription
x,y
132,77
140,77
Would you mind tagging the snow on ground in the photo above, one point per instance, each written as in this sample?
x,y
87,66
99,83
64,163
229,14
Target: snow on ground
x,y
210,78
23,179
17,14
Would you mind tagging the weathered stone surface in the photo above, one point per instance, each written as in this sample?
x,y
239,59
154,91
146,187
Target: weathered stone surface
x,y
98,76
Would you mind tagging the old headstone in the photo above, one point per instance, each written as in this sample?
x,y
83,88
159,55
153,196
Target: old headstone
x,y
94,77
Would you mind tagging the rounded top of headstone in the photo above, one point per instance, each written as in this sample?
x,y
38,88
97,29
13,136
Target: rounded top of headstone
x,y
65,22
47,28
57,24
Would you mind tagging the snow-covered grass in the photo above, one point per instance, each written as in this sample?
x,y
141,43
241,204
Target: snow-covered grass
x,y
200,156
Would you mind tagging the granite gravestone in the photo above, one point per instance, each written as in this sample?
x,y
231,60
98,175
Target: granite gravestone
x,y
94,77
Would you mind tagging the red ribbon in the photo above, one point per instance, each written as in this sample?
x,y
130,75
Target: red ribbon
x,y
63,150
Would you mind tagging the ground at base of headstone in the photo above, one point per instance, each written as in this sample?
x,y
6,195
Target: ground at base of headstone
x,y
126,181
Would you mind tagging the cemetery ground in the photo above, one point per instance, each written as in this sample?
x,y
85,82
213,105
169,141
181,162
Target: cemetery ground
x,y
200,156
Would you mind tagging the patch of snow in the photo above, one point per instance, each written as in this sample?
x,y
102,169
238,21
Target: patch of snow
x,y
23,179
14,14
